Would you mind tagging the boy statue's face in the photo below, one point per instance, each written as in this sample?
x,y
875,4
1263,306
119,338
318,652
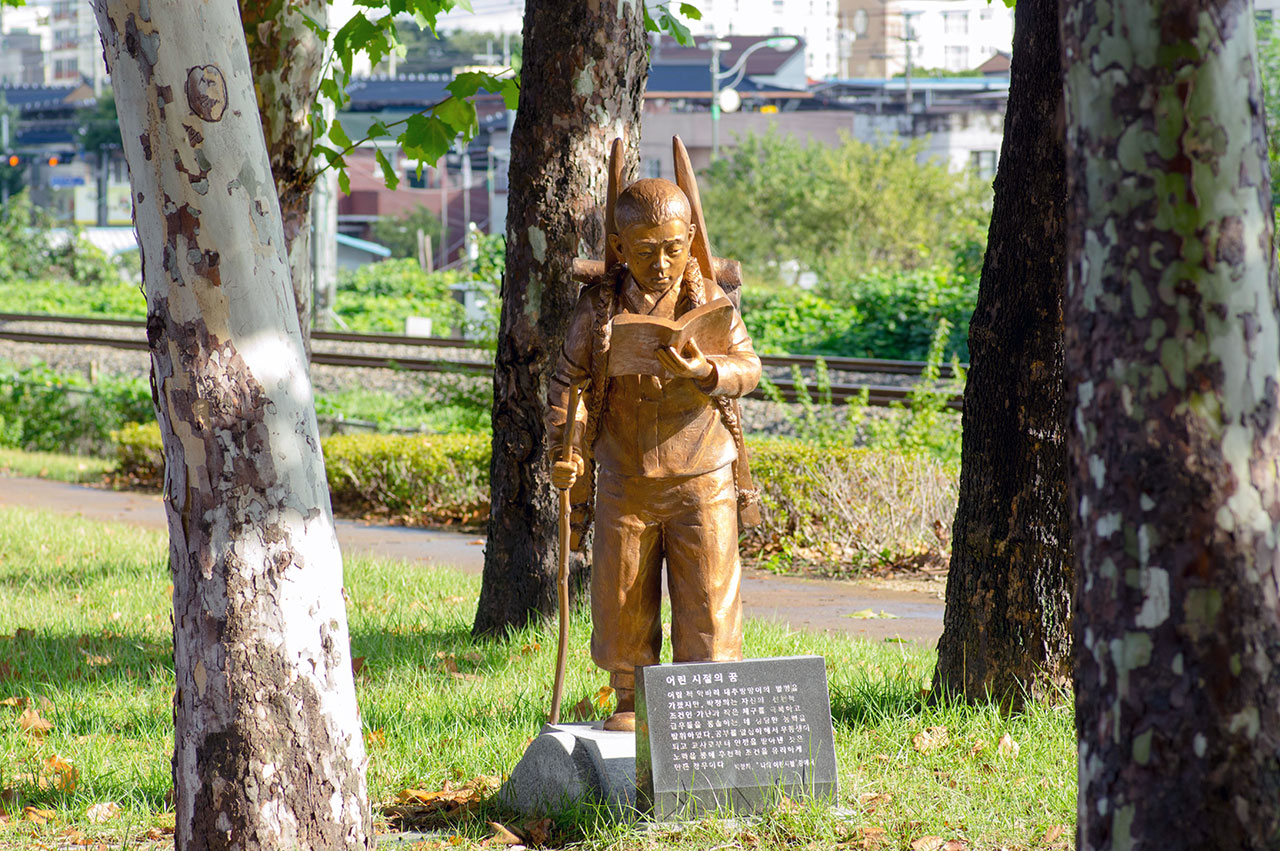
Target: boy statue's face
x,y
655,254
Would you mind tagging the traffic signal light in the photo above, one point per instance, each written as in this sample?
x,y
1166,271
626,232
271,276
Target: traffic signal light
x,y
13,160
53,160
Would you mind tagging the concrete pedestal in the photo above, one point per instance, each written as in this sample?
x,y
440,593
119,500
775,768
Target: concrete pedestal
x,y
570,764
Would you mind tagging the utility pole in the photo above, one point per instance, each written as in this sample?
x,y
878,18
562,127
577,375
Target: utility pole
x,y
444,211
466,184
4,147
489,186
104,183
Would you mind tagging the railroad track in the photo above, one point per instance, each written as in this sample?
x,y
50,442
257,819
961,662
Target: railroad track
x,y
877,394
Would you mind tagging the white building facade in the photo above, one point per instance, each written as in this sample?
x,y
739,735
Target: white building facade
x,y
812,20
68,34
955,35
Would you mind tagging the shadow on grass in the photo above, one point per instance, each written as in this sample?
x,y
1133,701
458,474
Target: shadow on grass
x,y
868,703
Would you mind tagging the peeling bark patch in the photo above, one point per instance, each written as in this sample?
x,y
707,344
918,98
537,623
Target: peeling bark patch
x,y
145,140
141,46
1230,248
207,92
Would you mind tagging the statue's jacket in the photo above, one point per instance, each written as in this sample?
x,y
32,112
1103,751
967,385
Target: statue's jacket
x,y
647,426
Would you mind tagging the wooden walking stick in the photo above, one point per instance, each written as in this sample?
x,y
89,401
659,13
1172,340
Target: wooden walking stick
x,y
562,576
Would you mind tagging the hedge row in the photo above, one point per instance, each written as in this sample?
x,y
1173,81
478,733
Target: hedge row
x,y
844,508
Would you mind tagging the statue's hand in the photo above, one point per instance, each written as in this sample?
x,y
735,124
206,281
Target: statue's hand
x,y
691,364
565,473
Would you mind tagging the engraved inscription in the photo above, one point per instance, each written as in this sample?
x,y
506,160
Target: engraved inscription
x,y
715,724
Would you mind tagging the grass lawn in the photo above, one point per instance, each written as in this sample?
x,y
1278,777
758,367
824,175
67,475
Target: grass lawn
x,y
60,467
85,651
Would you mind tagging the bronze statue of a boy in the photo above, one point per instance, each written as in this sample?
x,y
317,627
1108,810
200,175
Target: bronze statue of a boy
x,y
665,448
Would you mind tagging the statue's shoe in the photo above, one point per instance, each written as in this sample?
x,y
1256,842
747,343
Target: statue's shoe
x,y
621,722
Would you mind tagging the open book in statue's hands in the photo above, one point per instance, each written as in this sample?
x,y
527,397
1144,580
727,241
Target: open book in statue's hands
x,y
636,339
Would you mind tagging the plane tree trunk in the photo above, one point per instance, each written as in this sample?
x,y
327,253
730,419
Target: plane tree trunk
x,y
1173,330
1007,628
583,77
287,57
268,749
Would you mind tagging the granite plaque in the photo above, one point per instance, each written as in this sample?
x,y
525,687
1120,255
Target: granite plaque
x,y
733,735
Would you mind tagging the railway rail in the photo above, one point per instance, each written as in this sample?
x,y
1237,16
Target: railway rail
x,y
877,394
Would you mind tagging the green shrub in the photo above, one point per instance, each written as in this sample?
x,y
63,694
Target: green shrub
x,y
429,479
843,508
139,453
432,478
881,314
377,297
847,509
27,254
47,411
118,300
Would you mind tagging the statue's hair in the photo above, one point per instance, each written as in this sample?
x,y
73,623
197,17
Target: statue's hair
x,y
651,201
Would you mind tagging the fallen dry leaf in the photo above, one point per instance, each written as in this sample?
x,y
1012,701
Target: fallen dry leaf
x,y
63,774
1053,833
503,836
538,832
375,737
37,815
872,801
871,836
473,657
928,843
955,845
93,660
533,647
1008,747
930,739
425,808
32,724
868,614
357,665
603,695
977,748
104,812
14,702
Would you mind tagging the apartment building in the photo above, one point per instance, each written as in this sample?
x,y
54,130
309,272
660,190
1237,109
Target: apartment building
x,y
879,37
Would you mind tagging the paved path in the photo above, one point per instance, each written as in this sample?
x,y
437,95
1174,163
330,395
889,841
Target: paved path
x,y
813,604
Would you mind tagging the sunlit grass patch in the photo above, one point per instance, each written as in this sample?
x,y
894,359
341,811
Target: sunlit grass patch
x,y
60,467
86,682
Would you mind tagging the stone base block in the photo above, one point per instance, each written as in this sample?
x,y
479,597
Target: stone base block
x,y
575,764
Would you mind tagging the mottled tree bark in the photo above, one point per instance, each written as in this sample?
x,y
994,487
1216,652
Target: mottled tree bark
x,y
1173,332
268,752
585,65
287,57
1007,631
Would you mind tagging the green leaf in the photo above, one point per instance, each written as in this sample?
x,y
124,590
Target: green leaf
x,y
377,130
339,136
468,83
458,114
678,31
650,25
690,11
344,182
511,93
426,138
388,173
328,153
